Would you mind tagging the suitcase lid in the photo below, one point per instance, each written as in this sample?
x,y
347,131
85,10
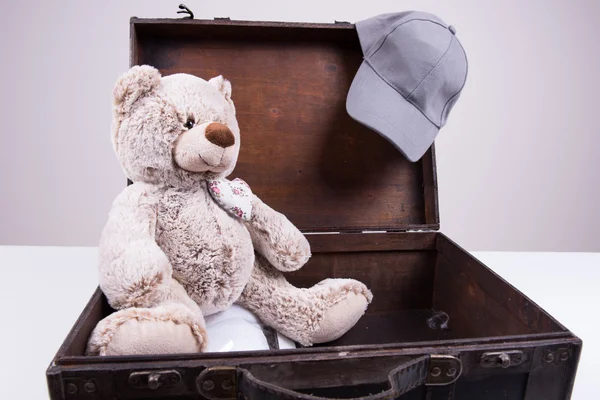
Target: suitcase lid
x,y
301,152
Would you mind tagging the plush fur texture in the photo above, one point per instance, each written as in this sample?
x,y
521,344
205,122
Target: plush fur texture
x,y
300,313
169,255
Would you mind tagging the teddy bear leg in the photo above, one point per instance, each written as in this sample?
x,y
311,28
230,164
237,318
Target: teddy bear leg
x,y
175,326
319,314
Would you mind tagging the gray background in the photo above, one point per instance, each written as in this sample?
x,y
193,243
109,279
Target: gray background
x,y
517,161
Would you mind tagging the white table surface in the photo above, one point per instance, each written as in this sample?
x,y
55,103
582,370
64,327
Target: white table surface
x,y
44,289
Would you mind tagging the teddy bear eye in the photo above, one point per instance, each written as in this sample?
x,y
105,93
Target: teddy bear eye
x,y
189,124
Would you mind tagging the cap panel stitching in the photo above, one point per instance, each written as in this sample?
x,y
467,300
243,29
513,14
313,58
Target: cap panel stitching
x,y
398,26
463,84
407,98
433,68
397,91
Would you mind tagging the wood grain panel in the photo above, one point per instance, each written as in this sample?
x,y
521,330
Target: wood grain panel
x,y
475,285
301,152
398,280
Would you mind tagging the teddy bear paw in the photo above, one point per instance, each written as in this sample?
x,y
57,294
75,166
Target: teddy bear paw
x,y
349,300
166,329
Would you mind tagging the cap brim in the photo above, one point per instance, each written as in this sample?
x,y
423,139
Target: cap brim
x,y
373,103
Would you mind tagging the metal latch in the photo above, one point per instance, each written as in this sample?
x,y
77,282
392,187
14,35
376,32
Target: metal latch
x,y
502,359
154,379
443,370
217,383
185,10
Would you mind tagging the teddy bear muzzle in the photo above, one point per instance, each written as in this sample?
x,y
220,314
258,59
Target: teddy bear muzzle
x,y
220,135
205,147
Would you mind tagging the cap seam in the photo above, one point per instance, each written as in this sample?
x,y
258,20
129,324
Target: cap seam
x,y
409,146
432,68
368,62
407,138
463,84
398,26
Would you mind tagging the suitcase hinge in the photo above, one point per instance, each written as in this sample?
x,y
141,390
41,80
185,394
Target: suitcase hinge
x,y
217,383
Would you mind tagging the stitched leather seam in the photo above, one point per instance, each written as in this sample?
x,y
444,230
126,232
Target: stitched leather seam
x,y
269,390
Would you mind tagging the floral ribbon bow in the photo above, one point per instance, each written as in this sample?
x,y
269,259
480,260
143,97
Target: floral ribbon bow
x,y
234,196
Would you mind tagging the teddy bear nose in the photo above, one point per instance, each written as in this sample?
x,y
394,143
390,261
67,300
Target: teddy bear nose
x,y
219,134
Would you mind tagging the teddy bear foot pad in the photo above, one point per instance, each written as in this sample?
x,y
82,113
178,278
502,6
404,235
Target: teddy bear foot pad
x,y
167,329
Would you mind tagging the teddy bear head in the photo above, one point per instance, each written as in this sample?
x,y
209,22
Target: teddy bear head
x,y
175,130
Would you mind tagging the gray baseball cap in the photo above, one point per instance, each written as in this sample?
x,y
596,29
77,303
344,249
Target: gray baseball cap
x,y
413,71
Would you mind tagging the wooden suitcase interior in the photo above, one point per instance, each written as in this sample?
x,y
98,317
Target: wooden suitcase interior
x,y
352,193
412,275
368,213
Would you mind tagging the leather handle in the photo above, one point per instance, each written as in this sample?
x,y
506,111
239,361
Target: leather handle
x,y
402,379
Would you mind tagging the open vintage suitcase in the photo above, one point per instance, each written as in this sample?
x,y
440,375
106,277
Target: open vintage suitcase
x,y
441,325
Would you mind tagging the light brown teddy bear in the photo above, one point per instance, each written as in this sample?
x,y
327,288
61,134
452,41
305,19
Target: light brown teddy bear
x,y
182,242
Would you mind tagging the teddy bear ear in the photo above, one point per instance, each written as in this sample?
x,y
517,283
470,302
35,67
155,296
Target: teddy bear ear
x,y
222,85
134,84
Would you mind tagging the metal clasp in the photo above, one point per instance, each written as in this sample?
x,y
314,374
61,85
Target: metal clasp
x,y
185,10
502,359
154,379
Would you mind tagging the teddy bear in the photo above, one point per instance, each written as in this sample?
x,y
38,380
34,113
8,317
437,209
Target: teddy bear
x,y
182,242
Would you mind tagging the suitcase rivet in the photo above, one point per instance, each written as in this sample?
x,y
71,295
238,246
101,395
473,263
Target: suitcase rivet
x,y
226,385
451,372
71,388
89,387
154,381
518,358
564,356
436,371
549,357
208,385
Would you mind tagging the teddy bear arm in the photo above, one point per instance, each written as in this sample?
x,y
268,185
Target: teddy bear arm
x,y
134,271
276,238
